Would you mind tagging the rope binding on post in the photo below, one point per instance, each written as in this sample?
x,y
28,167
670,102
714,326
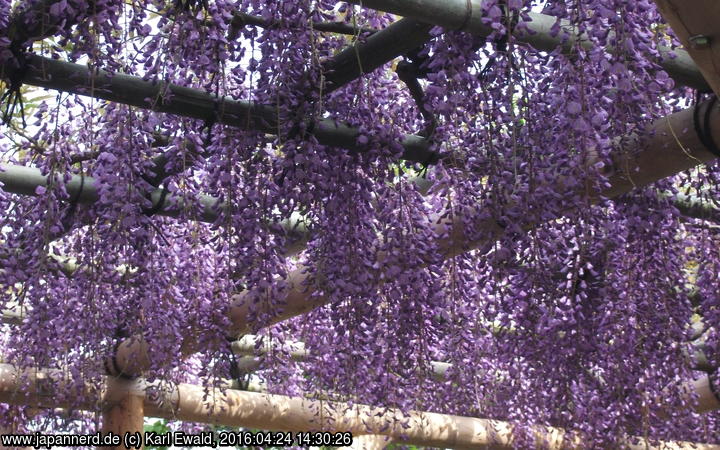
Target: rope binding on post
x,y
704,129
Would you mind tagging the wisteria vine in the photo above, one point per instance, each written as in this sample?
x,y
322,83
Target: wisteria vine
x,y
576,312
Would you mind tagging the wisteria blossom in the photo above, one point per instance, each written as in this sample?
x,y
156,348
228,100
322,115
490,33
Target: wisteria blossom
x,y
576,310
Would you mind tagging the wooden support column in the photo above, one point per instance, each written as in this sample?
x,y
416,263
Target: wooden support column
x,y
125,411
695,22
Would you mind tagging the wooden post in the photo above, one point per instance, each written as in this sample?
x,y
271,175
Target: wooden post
x,y
125,412
695,24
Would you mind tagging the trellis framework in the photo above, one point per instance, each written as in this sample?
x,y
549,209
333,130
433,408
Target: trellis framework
x,y
681,150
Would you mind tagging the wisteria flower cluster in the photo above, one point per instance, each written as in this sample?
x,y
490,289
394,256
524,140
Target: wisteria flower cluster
x,y
572,310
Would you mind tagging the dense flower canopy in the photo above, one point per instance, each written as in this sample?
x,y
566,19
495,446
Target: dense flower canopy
x,y
576,311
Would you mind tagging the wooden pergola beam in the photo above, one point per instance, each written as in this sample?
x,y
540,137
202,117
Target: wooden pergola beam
x,y
249,346
240,20
281,413
249,350
454,14
695,23
24,180
395,40
187,102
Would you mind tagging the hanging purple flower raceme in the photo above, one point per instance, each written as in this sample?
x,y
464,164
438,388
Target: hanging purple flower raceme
x,y
571,310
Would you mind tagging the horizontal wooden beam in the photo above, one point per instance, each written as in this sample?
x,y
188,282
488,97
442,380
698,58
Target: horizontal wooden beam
x,y
250,346
193,103
241,20
25,180
453,14
395,40
292,414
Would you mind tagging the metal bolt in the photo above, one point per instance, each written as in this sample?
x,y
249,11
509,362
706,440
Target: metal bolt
x,y
699,41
